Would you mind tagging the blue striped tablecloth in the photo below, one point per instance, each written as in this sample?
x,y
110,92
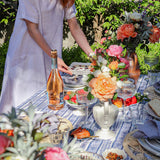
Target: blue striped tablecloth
x,y
91,145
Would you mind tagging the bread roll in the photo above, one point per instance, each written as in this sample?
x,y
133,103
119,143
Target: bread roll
x,y
155,106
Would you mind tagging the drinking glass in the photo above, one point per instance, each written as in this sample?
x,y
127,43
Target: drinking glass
x,y
127,91
83,101
151,61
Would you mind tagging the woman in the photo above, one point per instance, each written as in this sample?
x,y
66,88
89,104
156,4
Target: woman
x,y
38,29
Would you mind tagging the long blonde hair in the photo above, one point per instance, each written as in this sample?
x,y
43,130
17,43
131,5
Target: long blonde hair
x,y
67,3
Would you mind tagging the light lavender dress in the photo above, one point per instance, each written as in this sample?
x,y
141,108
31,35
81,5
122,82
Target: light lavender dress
x,y
27,66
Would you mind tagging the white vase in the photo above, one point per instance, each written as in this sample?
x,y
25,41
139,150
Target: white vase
x,y
105,114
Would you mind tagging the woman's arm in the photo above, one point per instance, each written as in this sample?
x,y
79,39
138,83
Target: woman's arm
x,y
38,38
79,36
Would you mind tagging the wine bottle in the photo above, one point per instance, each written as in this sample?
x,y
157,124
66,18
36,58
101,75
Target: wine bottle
x,y
55,85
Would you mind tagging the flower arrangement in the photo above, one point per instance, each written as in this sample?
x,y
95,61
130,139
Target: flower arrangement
x,y
137,29
108,69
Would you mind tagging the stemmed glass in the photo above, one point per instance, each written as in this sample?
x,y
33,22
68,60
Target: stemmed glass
x,y
151,61
127,91
85,103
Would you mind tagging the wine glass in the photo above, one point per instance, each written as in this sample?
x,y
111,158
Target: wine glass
x,y
127,91
151,61
85,102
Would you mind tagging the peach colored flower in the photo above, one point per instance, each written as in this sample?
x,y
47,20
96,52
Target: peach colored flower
x,y
102,40
103,87
4,143
55,153
126,31
114,50
113,65
156,34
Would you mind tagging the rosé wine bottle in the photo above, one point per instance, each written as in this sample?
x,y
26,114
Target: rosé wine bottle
x,y
55,85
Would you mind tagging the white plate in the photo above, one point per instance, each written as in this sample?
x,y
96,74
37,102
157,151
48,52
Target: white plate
x,y
114,150
154,144
144,144
150,111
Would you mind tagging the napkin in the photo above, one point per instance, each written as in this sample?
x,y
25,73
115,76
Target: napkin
x,y
150,129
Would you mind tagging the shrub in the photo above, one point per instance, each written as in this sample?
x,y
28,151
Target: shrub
x,y
3,52
154,49
74,54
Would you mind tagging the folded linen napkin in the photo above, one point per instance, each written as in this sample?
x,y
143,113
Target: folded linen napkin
x,y
150,129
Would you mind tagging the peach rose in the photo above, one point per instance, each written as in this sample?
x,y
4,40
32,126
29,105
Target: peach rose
x,y
126,31
113,65
156,34
103,87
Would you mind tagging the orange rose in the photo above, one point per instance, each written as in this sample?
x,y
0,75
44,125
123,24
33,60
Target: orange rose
x,y
113,65
103,87
156,34
126,31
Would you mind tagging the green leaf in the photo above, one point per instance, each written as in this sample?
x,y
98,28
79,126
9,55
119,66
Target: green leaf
x,y
115,96
38,136
90,96
86,88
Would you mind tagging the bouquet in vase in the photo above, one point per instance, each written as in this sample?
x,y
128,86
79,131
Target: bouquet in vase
x,y
108,68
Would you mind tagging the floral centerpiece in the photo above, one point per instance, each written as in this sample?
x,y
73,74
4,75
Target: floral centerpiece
x,y
108,69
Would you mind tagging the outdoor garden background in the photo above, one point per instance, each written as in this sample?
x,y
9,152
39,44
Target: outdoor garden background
x,y
95,17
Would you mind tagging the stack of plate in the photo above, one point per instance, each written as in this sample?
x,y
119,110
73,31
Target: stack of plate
x,y
157,87
151,145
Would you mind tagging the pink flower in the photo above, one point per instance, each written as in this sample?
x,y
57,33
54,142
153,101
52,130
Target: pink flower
x,y
55,153
123,60
102,40
4,143
114,50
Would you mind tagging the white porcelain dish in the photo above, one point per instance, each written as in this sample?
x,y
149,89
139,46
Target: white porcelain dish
x,y
114,150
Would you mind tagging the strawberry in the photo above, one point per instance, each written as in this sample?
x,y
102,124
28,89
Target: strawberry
x,y
134,100
74,99
66,97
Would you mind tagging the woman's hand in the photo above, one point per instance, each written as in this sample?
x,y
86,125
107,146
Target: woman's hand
x,y
63,67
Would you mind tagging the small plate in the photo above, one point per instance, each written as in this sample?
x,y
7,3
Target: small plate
x,y
144,144
150,111
114,150
90,131
152,143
